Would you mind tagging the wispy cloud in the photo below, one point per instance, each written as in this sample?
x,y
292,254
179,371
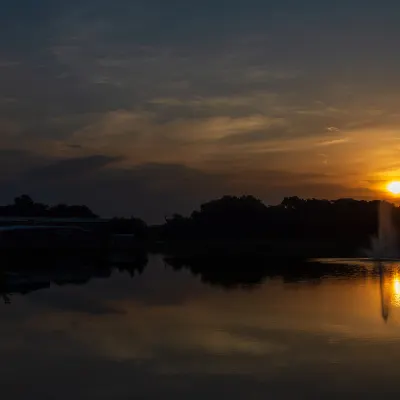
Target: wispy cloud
x,y
333,142
333,129
144,124
261,95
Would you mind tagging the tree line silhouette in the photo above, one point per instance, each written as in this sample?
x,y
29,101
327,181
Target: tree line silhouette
x,y
237,218
24,206
247,217
230,219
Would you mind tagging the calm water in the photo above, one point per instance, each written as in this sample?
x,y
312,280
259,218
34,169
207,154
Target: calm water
x,y
165,334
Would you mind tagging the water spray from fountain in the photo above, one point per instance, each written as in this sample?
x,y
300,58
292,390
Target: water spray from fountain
x,y
384,245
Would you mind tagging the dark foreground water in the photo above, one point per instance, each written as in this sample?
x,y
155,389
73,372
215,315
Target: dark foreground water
x,y
164,334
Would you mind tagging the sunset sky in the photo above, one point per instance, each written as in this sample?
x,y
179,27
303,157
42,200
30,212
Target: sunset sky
x,y
151,107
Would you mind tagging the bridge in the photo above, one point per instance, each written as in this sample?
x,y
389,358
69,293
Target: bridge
x,y
91,223
44,220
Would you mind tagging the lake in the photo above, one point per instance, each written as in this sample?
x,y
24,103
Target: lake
x,y
163,332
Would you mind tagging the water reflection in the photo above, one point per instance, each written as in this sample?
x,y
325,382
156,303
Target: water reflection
x,y
22,274
249,271
396,290
389,283
178,328
26,273
385,302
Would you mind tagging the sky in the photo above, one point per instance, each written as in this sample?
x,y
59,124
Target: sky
x,y
151,107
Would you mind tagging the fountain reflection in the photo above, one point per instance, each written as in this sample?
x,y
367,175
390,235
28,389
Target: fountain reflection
x,y
389,278
383,292
24,275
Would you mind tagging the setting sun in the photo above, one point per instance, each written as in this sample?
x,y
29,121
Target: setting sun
x,y
394,187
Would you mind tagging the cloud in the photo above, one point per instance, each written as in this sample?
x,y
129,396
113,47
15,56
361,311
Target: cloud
x,y
215,128
74,168
256,101
152,68
325,158
333,142
9,127
258,93
148,137
114,123
272,132
114,189
77,302
14,162
111,190
143,137
332,129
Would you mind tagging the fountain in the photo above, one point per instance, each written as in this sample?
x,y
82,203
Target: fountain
x,y
385,244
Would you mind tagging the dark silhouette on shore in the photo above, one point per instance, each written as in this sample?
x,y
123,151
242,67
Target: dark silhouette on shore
x,y
232,242
302,227
24,206
247,217
307,227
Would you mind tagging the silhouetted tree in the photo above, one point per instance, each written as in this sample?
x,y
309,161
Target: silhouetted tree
x,y
246,217
24,206
65,211
342,221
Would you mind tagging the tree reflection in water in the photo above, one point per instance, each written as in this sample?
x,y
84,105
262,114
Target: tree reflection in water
x,y
22,274
27,273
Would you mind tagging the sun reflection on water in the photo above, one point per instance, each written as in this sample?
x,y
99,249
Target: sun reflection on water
x,y
390,289
395,300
